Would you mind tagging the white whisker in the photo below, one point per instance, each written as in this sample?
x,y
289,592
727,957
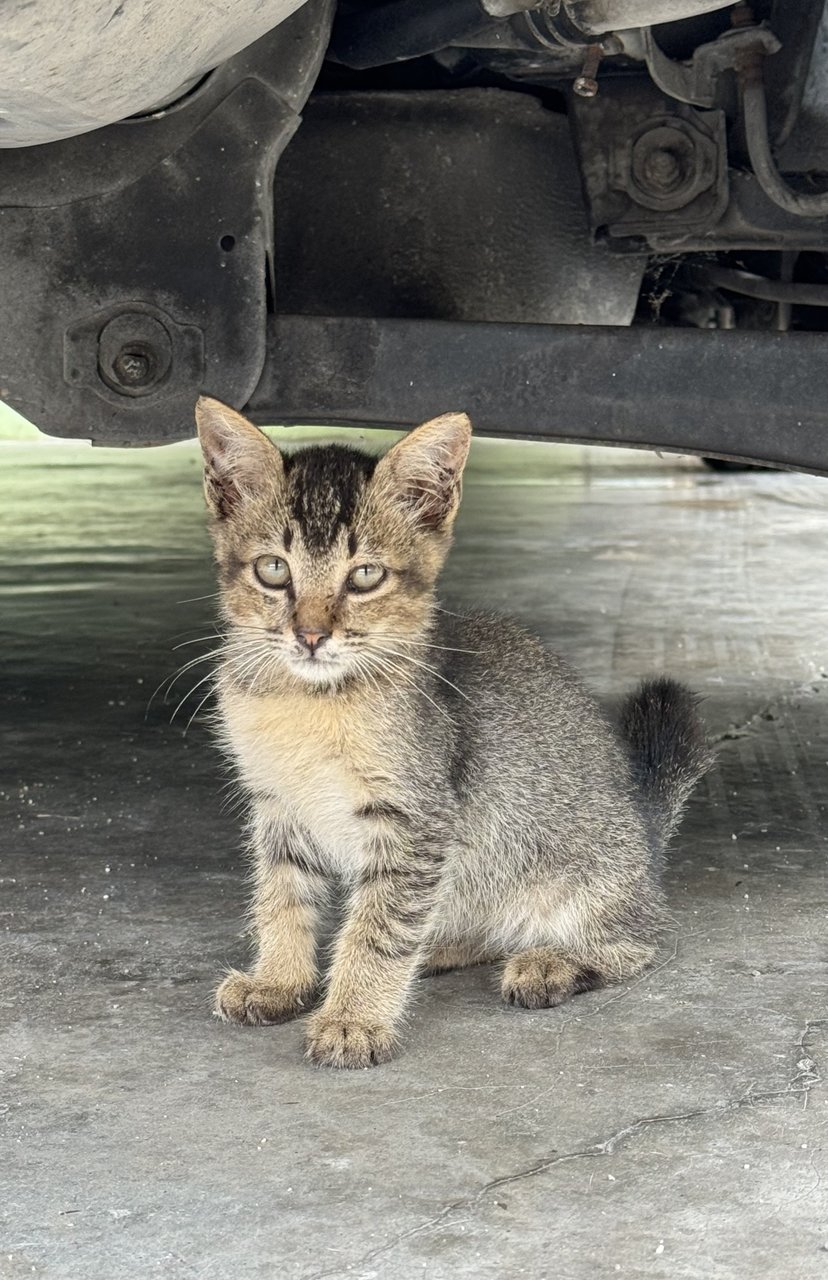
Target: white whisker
x,y
189,694
364,668
250,662
171,680
212,595
404,675
207,695
425,644
407,657
198,640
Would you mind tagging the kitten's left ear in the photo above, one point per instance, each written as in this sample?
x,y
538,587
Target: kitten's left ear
x,y
239,460
423,471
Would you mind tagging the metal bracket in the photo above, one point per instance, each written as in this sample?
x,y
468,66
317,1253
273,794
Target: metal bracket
x,y
695,82
650,165
134,259
133,351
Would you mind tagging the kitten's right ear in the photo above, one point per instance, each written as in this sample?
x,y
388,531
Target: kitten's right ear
x,y
239,460
423,471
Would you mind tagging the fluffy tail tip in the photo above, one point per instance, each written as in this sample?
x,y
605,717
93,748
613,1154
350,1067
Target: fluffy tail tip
x,y
670,750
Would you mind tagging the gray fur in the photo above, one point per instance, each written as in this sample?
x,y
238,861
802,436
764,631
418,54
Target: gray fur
x,y
448,773
540,797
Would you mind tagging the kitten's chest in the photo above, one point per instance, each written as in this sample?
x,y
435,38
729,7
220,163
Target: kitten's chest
x,y
319,760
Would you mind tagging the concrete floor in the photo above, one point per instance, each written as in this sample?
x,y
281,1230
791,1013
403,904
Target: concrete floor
x,y
673,1127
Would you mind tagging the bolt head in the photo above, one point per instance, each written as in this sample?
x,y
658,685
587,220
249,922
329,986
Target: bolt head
x,y
670,163
663,169
132,368
585,86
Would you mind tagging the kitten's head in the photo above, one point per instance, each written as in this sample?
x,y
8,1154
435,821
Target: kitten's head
x,y
327,557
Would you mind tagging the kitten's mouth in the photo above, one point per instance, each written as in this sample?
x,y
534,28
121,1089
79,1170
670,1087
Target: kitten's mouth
x,y
316,668
317,658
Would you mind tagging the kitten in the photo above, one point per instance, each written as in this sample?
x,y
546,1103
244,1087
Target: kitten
x,y
452,774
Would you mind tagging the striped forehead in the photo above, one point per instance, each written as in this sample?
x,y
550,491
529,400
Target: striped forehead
x,y
324,488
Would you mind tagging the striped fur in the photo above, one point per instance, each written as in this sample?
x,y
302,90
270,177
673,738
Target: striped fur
x,y
448,777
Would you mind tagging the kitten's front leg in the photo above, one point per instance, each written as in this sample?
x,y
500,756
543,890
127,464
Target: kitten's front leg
x,y
290,888
376,954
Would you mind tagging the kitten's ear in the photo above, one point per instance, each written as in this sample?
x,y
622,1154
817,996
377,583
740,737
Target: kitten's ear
x,y
239,460
423,470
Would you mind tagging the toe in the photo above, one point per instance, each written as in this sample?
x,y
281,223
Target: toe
x,y
245,999
538,980
344,1042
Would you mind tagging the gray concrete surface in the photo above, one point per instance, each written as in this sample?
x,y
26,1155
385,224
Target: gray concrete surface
x,y
673,1127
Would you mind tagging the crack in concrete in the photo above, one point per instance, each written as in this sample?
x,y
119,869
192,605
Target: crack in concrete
x,y
745,728
771,711
806,1078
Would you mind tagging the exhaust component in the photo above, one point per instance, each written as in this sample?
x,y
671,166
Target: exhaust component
x,y
596,17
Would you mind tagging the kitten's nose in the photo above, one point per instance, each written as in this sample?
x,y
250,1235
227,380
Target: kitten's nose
x,y
311,640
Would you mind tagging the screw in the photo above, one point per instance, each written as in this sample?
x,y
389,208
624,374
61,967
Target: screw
x,y
586,84
132,368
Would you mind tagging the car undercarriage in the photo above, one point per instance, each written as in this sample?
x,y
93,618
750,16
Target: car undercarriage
x,y
601,220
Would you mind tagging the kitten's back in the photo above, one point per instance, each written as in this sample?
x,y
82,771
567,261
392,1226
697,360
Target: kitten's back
x,y
532,732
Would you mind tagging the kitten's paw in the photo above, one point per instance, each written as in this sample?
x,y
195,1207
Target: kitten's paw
x,y
540,979
336,1041
242,997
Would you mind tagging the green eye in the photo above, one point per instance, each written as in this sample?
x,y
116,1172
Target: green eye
x,y
365,577
272,571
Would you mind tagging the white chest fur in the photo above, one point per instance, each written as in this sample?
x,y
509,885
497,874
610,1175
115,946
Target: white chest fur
x,y
318,759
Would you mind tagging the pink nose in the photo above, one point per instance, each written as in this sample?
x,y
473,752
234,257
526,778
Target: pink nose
x,y
311,640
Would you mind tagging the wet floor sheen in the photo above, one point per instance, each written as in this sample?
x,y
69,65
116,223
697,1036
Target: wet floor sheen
x,y
672,1127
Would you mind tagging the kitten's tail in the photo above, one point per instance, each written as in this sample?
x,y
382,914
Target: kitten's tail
x,y
669,747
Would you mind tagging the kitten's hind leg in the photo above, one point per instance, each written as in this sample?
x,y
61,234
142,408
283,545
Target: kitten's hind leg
x,y
544,976
289,892
585,942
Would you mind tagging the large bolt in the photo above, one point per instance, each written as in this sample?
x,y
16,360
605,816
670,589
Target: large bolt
x,y
671,163
134,353
132,368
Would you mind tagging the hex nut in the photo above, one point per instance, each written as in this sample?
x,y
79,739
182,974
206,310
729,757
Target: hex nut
x,y
670,164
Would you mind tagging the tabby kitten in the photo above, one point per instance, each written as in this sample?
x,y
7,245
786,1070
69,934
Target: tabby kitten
x,y
449,772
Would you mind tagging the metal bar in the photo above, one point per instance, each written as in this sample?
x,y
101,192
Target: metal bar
x,y
810,204
757,396
790,292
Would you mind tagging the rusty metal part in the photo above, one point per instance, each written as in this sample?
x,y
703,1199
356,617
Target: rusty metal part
x,y
586,84
696,81
741,15
804,204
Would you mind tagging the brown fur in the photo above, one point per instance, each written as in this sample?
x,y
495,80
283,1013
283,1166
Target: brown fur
x,y
450,775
